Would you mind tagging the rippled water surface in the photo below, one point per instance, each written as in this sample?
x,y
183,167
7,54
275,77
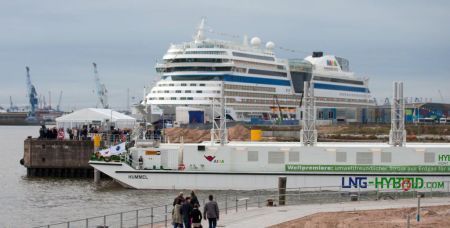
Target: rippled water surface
x,y
27,202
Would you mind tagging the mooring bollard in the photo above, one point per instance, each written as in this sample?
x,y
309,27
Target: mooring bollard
x,y
282,191
96,176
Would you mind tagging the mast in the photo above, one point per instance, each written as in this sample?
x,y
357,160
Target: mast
x,y
219,131
397,134
308,134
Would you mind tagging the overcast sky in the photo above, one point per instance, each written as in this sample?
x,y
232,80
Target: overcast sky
x,y
59,40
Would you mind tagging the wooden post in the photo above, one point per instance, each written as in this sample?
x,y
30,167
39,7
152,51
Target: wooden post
x,y
96,176
282,190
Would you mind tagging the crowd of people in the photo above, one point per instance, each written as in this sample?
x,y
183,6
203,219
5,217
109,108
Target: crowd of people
x,y
86,132
186,212
48,133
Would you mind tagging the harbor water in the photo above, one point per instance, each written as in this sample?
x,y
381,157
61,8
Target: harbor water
x,y
28,202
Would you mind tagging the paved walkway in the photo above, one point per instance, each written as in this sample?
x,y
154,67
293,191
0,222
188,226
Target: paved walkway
x,y
268,216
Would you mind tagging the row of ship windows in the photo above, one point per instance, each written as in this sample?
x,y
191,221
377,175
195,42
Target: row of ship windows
x,y
185,91
214,69
261,95
237,54
182,84
250,88
326,79
233,93
229,100
278,157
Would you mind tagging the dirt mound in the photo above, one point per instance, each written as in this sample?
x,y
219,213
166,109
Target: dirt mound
x,y
431,217
188,135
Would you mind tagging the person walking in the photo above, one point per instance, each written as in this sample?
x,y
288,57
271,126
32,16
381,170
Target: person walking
x,y
194,199
211,212
186,212
177,219
179,197
196,217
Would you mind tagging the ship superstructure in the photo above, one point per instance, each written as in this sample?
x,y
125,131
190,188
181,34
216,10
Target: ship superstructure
x,y
257,84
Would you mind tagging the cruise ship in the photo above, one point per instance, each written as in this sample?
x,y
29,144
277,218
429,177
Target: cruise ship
x,y
255,83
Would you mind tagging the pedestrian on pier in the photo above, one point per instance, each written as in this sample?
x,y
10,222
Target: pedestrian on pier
x,y
179,197
211,212
186,212
196,217
177,219
194,199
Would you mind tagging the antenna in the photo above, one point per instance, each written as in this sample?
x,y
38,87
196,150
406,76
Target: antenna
x,y
308,134
397,134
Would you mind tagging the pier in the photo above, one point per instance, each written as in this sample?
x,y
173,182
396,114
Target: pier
x,y
263,208
58,158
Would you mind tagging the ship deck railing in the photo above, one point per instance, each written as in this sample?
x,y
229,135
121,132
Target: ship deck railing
x,y
235,201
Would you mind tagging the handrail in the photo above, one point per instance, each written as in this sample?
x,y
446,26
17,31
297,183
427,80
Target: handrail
x,y
159,214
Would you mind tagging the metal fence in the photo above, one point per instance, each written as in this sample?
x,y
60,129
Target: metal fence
x,y
162,215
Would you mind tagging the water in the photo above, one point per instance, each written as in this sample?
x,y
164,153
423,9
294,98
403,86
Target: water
x,y
27,202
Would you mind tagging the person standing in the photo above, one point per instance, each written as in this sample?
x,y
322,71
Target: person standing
x,y
186,212
177,219
211,212
179,197
196,217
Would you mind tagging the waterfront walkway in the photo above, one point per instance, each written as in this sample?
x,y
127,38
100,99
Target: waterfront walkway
x,y
268,216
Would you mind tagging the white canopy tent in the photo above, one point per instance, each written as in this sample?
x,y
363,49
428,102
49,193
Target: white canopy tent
x,y
97,116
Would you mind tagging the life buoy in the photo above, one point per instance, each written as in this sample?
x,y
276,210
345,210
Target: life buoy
x,y
406,184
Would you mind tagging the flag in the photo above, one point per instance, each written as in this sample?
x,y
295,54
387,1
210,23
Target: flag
x,y
113,150
117,149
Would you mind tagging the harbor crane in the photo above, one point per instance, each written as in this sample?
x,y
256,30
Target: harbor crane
x,y
58,106
440,94
32,96
102,93
12,107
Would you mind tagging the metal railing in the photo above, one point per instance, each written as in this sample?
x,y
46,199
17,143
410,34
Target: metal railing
x,y
162,214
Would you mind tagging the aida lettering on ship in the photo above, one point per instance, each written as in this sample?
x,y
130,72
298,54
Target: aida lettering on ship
x,y
113,150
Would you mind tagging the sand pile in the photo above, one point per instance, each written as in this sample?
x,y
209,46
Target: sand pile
x,y
236,133
435,217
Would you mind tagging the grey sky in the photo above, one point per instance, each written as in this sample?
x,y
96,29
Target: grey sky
x,y
384,40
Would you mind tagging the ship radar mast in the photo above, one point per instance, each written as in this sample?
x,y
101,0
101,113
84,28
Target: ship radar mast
x,y
200,36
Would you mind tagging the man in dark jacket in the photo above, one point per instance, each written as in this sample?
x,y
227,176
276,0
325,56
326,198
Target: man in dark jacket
x,y
186,212
211,212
